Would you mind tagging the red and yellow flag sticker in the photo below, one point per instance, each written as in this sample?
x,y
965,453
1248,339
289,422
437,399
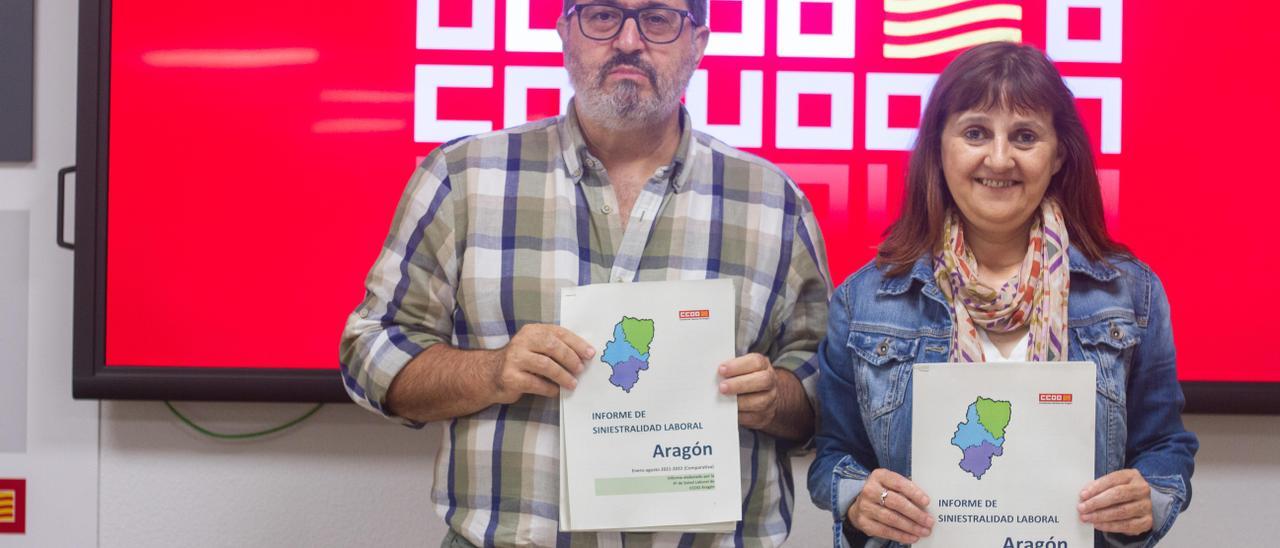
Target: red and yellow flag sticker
x,y
13,498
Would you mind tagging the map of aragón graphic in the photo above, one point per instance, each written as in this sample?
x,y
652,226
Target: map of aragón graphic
x,y
628,352
981,436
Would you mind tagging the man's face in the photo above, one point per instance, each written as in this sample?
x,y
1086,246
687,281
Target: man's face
x,y
626,82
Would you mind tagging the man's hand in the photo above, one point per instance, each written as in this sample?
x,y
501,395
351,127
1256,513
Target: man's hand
x,y
891,507
752,379
1119,502
540,359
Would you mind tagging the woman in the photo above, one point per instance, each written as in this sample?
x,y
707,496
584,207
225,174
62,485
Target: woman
x,y
1001,253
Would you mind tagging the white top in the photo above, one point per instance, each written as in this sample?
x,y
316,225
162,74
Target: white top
x,y
1018,354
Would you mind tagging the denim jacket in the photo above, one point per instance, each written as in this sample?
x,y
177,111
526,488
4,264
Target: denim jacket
x,y
1118,318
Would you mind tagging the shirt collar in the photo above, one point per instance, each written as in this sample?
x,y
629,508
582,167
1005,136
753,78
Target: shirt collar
x,y
576,155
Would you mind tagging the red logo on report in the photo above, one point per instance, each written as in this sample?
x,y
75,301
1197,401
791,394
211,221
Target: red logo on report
x,y
1055,398
13,500
695,314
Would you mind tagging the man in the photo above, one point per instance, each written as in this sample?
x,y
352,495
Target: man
x,y
458,323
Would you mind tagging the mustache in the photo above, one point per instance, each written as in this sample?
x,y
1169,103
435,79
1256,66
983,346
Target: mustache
x,y
632,60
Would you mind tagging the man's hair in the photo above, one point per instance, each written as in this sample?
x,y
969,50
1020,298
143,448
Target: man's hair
x,y
997,75
696,7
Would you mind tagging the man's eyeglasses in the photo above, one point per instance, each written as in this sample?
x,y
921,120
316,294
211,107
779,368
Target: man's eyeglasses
x,y
604,22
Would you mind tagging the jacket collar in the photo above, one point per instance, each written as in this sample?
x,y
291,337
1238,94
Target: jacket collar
x,y
922,271
1098,270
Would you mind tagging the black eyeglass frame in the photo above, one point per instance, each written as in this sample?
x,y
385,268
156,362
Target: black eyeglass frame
x,y
631,13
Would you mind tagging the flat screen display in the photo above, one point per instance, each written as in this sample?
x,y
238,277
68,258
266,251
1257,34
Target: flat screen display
x,y
255,151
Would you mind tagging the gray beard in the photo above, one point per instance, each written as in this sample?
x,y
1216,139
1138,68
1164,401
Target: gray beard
x,y
625,107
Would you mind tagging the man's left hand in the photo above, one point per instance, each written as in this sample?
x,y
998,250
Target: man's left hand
x,y
752,379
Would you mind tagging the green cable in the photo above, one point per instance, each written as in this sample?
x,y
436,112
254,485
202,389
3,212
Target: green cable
x,y
247,435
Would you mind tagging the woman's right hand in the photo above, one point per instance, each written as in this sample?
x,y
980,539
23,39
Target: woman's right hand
x,y
891,507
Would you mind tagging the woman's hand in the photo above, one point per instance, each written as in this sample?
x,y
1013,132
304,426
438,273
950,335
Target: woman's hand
x,y
891,507
1119,502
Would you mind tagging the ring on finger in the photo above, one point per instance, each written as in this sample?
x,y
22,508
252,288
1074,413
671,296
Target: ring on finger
x,y
883,495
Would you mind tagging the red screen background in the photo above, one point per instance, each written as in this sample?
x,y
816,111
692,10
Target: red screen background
x,y
257,151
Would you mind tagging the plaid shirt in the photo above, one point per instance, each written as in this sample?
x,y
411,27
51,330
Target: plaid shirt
x,y
488,231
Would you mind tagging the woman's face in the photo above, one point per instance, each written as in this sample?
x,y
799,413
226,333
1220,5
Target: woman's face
x,y
998,164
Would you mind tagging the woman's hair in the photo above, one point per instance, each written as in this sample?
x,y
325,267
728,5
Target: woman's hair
x,y
696,7
1004,75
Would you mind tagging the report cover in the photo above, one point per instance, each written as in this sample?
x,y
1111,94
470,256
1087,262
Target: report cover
x,y
1003,450
647,441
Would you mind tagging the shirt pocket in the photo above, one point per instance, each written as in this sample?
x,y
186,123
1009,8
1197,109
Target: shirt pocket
x,y
883,370
1109,343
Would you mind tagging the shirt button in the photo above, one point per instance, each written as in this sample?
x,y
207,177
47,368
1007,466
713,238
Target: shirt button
x,y
606,209
883,348
364,313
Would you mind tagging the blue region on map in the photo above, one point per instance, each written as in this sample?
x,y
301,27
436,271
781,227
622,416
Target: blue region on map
x,y
619,350
971,433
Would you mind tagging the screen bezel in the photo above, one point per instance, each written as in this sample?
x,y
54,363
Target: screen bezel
x,y
92,379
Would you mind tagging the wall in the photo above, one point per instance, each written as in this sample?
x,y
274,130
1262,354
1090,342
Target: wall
x,y
1237,483
344,477
59,459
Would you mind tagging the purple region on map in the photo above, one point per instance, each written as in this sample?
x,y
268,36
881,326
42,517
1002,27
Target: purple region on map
x,y
625,374
977,459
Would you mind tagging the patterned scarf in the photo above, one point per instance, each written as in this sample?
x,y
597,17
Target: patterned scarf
x,y
1037,296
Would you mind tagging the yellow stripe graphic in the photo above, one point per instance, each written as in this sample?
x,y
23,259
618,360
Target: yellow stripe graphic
x,y
7,513
952,43
952,20
917,6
